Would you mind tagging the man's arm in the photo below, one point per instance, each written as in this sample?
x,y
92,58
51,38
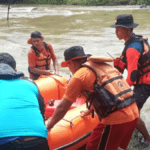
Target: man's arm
x,y
41,72
54,58
56,66
41,104
133,56
59,113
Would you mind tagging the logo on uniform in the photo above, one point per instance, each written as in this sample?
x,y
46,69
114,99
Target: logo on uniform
x,y
120,84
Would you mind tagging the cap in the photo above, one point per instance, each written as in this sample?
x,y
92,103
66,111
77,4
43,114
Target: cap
x,y
72,53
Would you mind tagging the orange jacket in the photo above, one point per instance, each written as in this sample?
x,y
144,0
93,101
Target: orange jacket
x,y
84,79
111,91
42,61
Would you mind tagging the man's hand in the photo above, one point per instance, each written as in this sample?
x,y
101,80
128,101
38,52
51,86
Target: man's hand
x,y
119,64
59,113
49,72
56,73
86,113
47,122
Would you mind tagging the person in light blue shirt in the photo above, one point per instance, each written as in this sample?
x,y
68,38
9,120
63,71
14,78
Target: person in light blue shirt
x,y
22,110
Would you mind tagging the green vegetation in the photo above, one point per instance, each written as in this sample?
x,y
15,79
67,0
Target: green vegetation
x,y
79,2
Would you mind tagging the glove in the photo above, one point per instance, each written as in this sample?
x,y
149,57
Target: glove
x,y
119,64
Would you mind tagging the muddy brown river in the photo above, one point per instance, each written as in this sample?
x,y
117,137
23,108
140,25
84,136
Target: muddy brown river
x,y
66,26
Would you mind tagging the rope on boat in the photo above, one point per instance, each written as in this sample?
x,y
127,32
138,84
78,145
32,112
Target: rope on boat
x,y
70,121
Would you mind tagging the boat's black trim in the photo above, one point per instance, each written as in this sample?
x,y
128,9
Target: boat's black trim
x,y
74,142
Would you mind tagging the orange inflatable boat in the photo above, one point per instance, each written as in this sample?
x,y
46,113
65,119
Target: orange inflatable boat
x,y
73,131
51,87
49,110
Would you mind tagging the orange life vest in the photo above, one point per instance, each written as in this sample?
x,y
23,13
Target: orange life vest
x,y
43,61
111,91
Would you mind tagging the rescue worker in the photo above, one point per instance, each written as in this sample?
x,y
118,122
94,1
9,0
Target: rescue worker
x,y
22,110
136,59
115,128
39,57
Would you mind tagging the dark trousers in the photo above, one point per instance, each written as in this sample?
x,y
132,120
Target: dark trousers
x,y
36,144
142,92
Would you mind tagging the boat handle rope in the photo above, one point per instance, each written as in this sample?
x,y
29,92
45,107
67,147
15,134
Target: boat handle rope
x,y
71,124
76,117
70,121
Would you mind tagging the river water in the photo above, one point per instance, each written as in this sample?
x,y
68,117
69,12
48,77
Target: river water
x,y
66,26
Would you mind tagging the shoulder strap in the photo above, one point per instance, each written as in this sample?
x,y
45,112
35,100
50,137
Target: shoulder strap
x,y
131,40
46,47
37,52
127,44
83,65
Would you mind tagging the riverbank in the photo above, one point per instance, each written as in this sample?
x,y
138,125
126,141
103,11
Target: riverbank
x,y
62,25
143,3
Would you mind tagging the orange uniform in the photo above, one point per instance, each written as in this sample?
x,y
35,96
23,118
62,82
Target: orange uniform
x,y
84,79
41,60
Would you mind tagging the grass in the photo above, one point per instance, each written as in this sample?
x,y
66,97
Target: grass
x,y
135,144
